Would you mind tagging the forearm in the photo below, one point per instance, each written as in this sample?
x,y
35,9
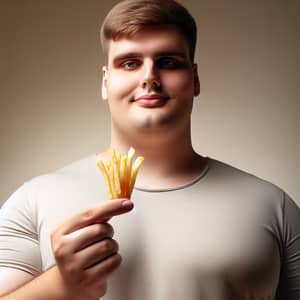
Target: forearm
x,y
47,286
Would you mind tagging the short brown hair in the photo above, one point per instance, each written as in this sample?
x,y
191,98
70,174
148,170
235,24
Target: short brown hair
x,y
129,16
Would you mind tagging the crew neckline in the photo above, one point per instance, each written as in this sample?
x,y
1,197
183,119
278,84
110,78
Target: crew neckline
x,y
179,187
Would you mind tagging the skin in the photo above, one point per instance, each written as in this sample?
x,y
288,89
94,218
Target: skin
x,y
154,62
86,255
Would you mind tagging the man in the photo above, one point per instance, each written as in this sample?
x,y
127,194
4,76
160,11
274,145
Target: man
x,y
200,229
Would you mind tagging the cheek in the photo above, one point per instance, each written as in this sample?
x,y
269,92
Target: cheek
x,y
179,83
120,86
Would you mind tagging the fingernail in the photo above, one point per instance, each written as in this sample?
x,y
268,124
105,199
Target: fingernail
x,y
127,204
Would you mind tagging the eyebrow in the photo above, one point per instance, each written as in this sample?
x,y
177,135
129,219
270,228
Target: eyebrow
x,y
129,55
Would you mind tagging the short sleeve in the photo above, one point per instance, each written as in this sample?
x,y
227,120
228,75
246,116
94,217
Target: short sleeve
x,y
289,284
19,244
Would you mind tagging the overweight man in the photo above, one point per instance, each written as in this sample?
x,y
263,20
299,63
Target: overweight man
x,y
198,228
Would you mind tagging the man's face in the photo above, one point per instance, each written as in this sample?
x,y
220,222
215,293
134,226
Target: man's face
x,y
150,81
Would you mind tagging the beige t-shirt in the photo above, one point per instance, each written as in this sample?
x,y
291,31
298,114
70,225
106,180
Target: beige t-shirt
x,y
227,235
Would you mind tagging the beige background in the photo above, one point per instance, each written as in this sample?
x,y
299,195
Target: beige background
x,y
247,114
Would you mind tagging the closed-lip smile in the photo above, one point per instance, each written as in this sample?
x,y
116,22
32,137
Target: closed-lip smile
x,y
151,100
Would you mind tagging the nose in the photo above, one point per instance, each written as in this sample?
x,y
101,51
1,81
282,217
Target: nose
x,y
150,77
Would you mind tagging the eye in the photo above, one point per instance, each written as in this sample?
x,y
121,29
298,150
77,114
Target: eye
x,y
169,63
130,65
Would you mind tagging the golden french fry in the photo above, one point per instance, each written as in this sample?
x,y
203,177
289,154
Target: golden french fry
x,y
122,176
130,155
120,173
106,177
115,173
134,171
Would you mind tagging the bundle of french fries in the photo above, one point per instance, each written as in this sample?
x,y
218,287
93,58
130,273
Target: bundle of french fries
x,y
120,173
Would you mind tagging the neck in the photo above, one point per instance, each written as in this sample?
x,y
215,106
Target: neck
x,y
170,159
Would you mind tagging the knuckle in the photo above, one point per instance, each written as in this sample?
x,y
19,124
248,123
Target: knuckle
x,y
110,230
97,229
110,265
107,245
100,230
105,230
118,258
59,249
87,215
115,245
115,261
58,253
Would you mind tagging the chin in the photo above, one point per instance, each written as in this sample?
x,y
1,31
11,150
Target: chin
x,y
151,119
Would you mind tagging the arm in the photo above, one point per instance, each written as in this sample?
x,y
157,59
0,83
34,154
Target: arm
x,y
289,283
16,284
10,279
85,253
47,286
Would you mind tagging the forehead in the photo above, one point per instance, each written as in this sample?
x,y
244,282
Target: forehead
x,y
148,42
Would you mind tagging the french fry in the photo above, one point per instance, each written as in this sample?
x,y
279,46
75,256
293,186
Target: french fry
x,y
134,171
106,177
115,172
120,173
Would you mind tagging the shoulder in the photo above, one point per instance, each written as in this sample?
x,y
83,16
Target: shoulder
x,y
255,196
77,180
81,167
72,173
231,174
243,183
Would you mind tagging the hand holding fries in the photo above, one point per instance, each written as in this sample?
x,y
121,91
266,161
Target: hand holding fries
x,y
85,252
120,173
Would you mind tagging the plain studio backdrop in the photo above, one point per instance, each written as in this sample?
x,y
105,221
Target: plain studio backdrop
x,y
247,114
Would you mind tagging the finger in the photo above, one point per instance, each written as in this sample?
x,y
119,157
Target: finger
x,y
97,253
105,268
86,236
98,213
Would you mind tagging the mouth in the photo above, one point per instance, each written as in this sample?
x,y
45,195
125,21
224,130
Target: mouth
x,y
151,100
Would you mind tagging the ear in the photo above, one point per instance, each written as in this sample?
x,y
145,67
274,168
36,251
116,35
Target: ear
x,y
196,80
104,83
